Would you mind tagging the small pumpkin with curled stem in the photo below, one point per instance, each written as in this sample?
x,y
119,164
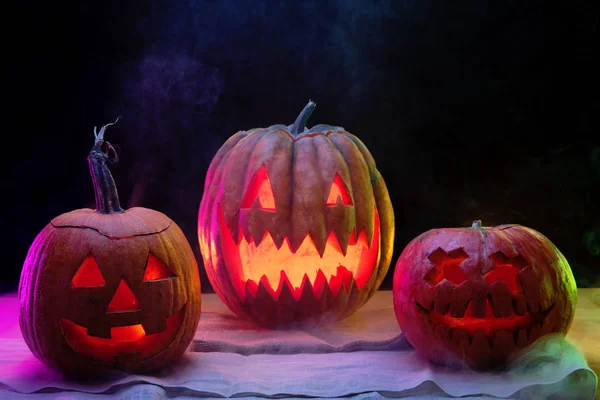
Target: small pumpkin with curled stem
x,y
109,288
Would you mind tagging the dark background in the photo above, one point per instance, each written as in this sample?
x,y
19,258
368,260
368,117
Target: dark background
x,y
472,110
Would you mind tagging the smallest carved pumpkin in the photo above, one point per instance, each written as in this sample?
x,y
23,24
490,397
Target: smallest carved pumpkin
x,y
473,297
109,288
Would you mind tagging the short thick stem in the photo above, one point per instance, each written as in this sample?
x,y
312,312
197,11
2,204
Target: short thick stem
x,y
302,119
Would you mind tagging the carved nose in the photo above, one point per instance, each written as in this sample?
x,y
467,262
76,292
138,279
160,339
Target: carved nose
x,y
123,299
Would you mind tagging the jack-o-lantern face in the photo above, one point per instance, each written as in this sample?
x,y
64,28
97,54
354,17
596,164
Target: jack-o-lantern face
x,y
124,308
109,288
302,229
473,297
119,291
460,305
259,260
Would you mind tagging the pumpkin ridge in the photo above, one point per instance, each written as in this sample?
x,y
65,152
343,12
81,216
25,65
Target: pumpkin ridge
x,y
361,222
307,213
383,205
29,288
214,172
337,165
230,164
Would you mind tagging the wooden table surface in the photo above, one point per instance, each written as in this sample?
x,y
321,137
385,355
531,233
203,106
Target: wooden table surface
x,y
585,330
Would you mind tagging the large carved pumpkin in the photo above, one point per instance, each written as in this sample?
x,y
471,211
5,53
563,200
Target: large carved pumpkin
x,y
472,297
295,224
109,288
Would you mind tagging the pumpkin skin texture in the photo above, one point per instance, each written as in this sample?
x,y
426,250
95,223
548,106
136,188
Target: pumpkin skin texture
x,y
475,297
109,288
295,225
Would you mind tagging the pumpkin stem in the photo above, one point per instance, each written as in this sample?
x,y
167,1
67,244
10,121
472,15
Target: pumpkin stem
x,y
476,224
107,197
300,122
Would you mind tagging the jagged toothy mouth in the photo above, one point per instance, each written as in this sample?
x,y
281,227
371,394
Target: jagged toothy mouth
x,y
252,263
131,339
524,323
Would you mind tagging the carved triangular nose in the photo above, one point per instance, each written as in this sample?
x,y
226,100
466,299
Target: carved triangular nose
x,y
123,299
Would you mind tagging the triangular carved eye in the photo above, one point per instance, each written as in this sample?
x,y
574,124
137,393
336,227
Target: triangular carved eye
x,y
259,188
339,193
156,270
88,274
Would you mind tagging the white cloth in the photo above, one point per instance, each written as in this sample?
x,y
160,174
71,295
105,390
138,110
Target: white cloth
x,y
363,357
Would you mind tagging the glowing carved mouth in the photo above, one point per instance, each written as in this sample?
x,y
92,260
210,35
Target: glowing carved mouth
x,y
124,339
526,325
252,264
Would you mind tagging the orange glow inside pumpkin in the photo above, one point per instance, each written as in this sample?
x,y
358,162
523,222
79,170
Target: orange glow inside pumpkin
x,y
156,269
260,189
489,323
338,191
250,263
123,299
123,340
506,270
88,274
446,266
